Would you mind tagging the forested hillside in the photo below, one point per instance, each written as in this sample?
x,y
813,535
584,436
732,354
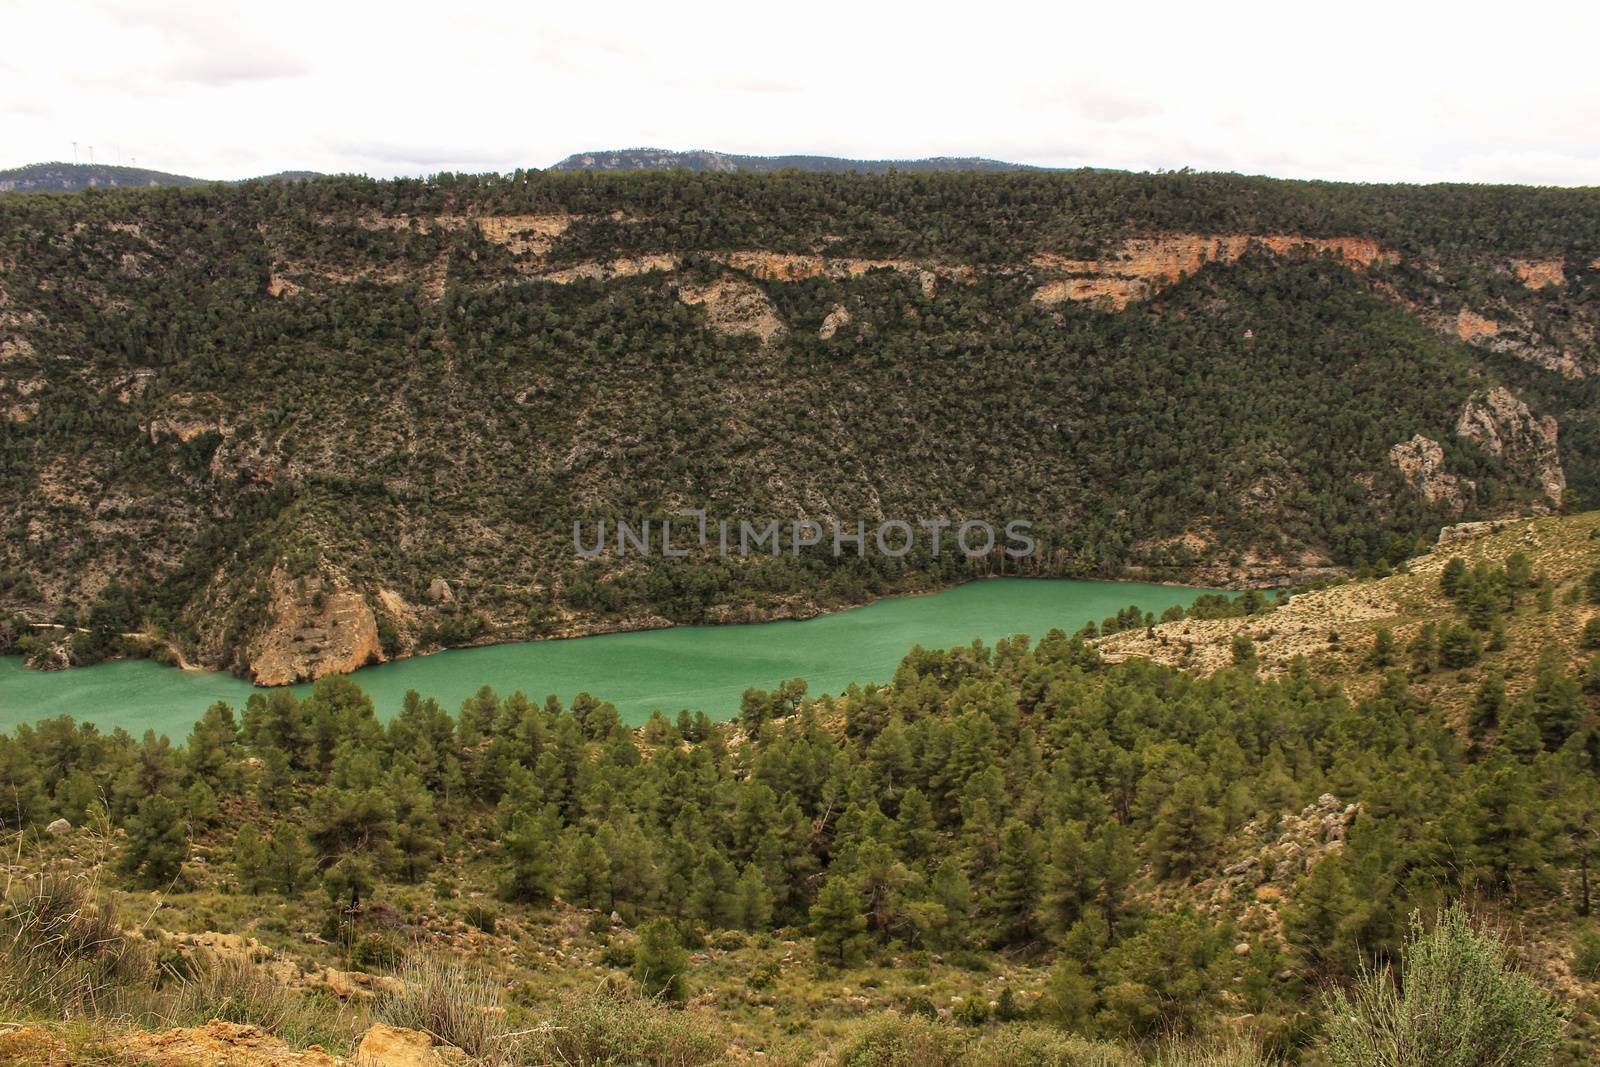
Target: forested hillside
x,y
291,428
1022,847
726,162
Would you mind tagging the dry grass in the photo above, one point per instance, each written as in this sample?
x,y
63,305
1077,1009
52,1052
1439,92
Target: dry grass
x,y
61,950
452,1002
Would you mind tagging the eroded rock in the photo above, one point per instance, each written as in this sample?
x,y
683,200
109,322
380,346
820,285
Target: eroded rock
x,y
1142,266
1504,426
735,307
317,629
395,1046
1421,462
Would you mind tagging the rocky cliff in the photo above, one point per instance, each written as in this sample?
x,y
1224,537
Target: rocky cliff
x,y
267,422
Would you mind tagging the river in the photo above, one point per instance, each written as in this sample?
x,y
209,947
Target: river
x,y
697,667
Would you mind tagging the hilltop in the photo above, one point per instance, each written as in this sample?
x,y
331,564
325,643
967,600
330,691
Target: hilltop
x,y
703,161
287,429
75,177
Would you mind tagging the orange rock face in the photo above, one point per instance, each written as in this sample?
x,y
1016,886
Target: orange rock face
x,y
1142,266
316,631
735,307
1471,326
218,1042
1538,273
524,233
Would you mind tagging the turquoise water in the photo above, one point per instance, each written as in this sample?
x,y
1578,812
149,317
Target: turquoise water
x,y
702,668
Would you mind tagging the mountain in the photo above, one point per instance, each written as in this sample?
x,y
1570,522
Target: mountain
x,y
702,161
73,177
291,429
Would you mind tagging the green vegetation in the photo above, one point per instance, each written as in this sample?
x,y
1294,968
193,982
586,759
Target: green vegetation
x,y
1456,1002
219,397
1020,851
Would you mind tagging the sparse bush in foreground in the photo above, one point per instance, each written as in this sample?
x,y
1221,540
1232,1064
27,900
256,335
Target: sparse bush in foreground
x,y
1226,1054
902,1041
1018,1046
599,1031
453,1002
233,988
61,951
1458,1003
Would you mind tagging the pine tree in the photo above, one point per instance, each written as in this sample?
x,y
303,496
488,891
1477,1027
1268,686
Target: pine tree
x,y
288,861
915,835
157,843
839,923
1016,884
951,890
416,830
250,859
661,963
1186,831
752,901
1383,649
712,897
1066,887
527,856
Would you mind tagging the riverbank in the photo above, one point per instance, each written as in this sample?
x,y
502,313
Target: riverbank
x,y
703,668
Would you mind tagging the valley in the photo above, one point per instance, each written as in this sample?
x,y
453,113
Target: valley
x,y
292,428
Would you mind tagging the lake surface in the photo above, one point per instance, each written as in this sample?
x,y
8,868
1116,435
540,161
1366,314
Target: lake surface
x,y
702,668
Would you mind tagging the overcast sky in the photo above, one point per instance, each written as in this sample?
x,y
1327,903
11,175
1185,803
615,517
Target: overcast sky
x,y
1357,91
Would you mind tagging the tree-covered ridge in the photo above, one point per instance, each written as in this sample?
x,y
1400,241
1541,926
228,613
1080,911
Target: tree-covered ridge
x,y
1142,850
223,402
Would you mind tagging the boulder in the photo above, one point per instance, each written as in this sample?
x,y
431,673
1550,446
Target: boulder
x,y
59,827
395,1046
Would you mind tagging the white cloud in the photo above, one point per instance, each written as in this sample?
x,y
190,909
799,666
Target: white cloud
x,y
1366,91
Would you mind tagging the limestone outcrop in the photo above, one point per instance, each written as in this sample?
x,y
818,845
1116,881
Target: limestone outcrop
x,y
1421,462
1142,266
317,629
735,307
1503,426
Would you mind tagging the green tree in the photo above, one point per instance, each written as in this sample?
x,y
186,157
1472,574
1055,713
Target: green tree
x,y
661,963
1186,831
839,923
288,861
752,900
1383,649
250,859
527,870
1459,647
157,843
1015,897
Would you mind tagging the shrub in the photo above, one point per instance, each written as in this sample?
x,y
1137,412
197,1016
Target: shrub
x,y
1586,952
1019,1046
1457,1003
660,961
60,949
902,1041
1591,633
597,1031
1224,1054
234,989
481,917
454,1003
